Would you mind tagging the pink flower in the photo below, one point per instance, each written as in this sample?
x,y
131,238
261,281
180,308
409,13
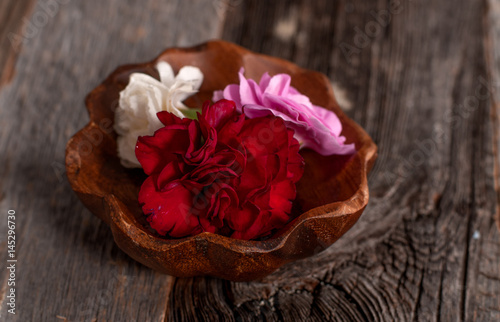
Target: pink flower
x,y
315,127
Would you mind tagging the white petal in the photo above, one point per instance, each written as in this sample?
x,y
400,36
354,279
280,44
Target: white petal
x,y
126,151
180,94
166,73
190,74
138,79
155,105
143,98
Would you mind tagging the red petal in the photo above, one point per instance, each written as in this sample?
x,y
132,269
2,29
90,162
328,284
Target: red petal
x,y
172,171
206,151
156,151
255,228
169,212
240,219
281,195
229,133
219,113
168,118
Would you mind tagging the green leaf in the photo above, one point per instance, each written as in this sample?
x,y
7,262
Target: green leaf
x,y
191,113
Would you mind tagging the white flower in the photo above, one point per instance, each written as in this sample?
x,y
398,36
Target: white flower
x,y
145,96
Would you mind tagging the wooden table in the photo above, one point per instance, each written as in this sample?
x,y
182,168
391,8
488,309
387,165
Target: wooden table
x,y
422,77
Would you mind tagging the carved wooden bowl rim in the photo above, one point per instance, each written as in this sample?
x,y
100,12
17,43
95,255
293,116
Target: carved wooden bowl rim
x,y
306,235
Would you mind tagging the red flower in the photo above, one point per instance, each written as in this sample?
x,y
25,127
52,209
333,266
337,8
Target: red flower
x,y
223,174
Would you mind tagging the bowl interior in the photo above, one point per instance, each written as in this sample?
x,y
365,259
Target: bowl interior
x,y
326,179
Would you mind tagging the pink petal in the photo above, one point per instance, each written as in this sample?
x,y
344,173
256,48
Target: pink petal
x,y
232,93
264,82
250,92
314,126
279,85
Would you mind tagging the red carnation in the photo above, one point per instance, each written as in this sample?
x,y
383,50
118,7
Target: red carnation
x,y
223,174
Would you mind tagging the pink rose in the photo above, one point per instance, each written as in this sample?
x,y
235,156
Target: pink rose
x,y
315,127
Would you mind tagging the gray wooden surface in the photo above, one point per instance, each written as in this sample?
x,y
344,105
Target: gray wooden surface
x,y
427,247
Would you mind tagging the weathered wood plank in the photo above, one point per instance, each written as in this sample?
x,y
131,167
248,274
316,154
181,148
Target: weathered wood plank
x,y
492,44
68,265
13,24
487,299
427,246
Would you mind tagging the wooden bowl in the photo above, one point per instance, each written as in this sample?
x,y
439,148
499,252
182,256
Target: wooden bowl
x,y
331,195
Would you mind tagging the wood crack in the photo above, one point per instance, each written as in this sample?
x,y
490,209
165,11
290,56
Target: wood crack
x,y
349,298
315,295
229,299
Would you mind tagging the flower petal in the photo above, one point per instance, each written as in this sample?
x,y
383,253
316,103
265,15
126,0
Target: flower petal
x,y
217,115
143,98
232,93
191,75
279,85
240,181
264,82
315,127
250,92
166,145
166,73
169,212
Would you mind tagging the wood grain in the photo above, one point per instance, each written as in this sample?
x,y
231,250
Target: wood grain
x,y
68,264
492,44
427,247
14,22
